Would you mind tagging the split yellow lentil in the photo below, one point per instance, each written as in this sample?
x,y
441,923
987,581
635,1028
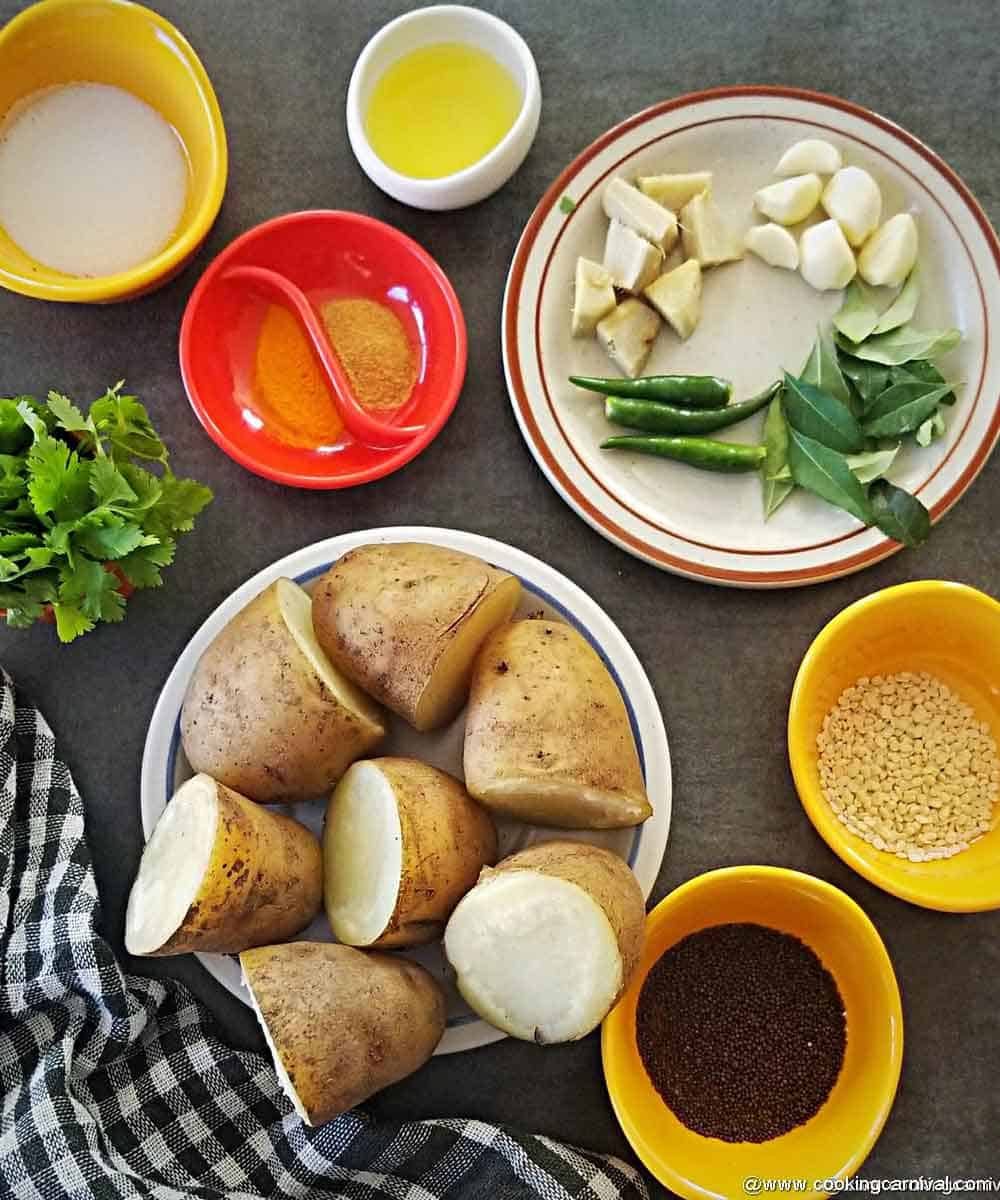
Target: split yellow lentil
x,y
907,765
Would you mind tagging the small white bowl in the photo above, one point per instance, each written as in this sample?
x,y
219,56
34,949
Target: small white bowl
x,y
429,26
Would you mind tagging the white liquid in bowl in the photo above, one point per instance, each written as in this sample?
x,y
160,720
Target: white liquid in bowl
x,y
93,180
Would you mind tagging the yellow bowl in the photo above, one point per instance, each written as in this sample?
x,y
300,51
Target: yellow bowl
x,y
128,46
838,1138
949,630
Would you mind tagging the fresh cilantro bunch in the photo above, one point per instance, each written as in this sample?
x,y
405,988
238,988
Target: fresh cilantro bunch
x,y
78,517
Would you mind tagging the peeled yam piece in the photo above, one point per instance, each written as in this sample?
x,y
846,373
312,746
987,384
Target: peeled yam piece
x,y
674,191
627,334
593,296
676,296
403,842
629,259
266,713
341,1024
705,235
622,202
404,621
222,874
544,945
547,736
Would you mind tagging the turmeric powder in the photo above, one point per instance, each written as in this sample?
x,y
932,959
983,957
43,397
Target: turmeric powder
x,y
291,391
375,350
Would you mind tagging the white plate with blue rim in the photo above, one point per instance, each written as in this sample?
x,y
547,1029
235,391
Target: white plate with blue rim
x,y
546,592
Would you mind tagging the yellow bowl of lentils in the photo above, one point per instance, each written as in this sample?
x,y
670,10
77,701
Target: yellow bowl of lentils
x,y
893,735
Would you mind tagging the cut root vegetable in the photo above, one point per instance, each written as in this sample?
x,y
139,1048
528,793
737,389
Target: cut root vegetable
x,y
627,334
810,155
890,253
674,191
826,261
852,198
267,713
791,200
547,735
629,259
705,235
774,244
593,297
403,842
221,874
404,620
676,296
622,202
545,944
341,1024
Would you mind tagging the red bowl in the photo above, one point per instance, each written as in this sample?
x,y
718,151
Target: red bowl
x,y
327,254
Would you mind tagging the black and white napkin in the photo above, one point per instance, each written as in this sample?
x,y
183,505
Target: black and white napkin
x,y
118,1086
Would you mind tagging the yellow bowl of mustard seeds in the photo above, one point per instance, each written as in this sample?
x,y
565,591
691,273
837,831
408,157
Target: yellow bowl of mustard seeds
x,y
946,631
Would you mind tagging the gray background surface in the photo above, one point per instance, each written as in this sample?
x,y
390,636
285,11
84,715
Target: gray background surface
x,y
722,662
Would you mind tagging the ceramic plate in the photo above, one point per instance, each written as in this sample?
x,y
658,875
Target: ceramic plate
x,y
164,766
756,320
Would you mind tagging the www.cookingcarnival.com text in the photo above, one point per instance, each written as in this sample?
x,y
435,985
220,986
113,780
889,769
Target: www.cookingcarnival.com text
x,y
755,1185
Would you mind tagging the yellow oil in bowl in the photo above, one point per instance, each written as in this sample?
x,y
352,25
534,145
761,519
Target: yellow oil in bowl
x,y
441,108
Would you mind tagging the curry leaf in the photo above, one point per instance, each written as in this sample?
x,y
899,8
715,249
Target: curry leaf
x,y
776,491
858,315
872,464
925,371
827,474
898,514
869,379
821,416
903,408
823,371
932,429
903,345
901,310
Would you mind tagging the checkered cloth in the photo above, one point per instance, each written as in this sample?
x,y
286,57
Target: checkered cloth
x,y
118,1086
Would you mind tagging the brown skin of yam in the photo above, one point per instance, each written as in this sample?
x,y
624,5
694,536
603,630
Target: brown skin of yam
x,y
344,1022
263,883
257,717
387,615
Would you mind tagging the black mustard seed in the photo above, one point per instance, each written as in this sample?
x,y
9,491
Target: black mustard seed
x,y
741,1030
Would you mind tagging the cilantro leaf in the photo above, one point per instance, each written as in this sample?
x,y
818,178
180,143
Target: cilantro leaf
x,y
69,416
109,485
144,484
179,504
113,540
59,480
142,567
126,424
11,543
26,603
94,591
70,621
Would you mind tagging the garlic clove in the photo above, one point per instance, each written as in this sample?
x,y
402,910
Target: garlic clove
x,y
791,200
774,245
810,155
852,198
889,254
826,260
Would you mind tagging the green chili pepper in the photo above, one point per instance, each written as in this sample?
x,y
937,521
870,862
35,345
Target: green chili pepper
x,y
651,417
706,453
687,391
